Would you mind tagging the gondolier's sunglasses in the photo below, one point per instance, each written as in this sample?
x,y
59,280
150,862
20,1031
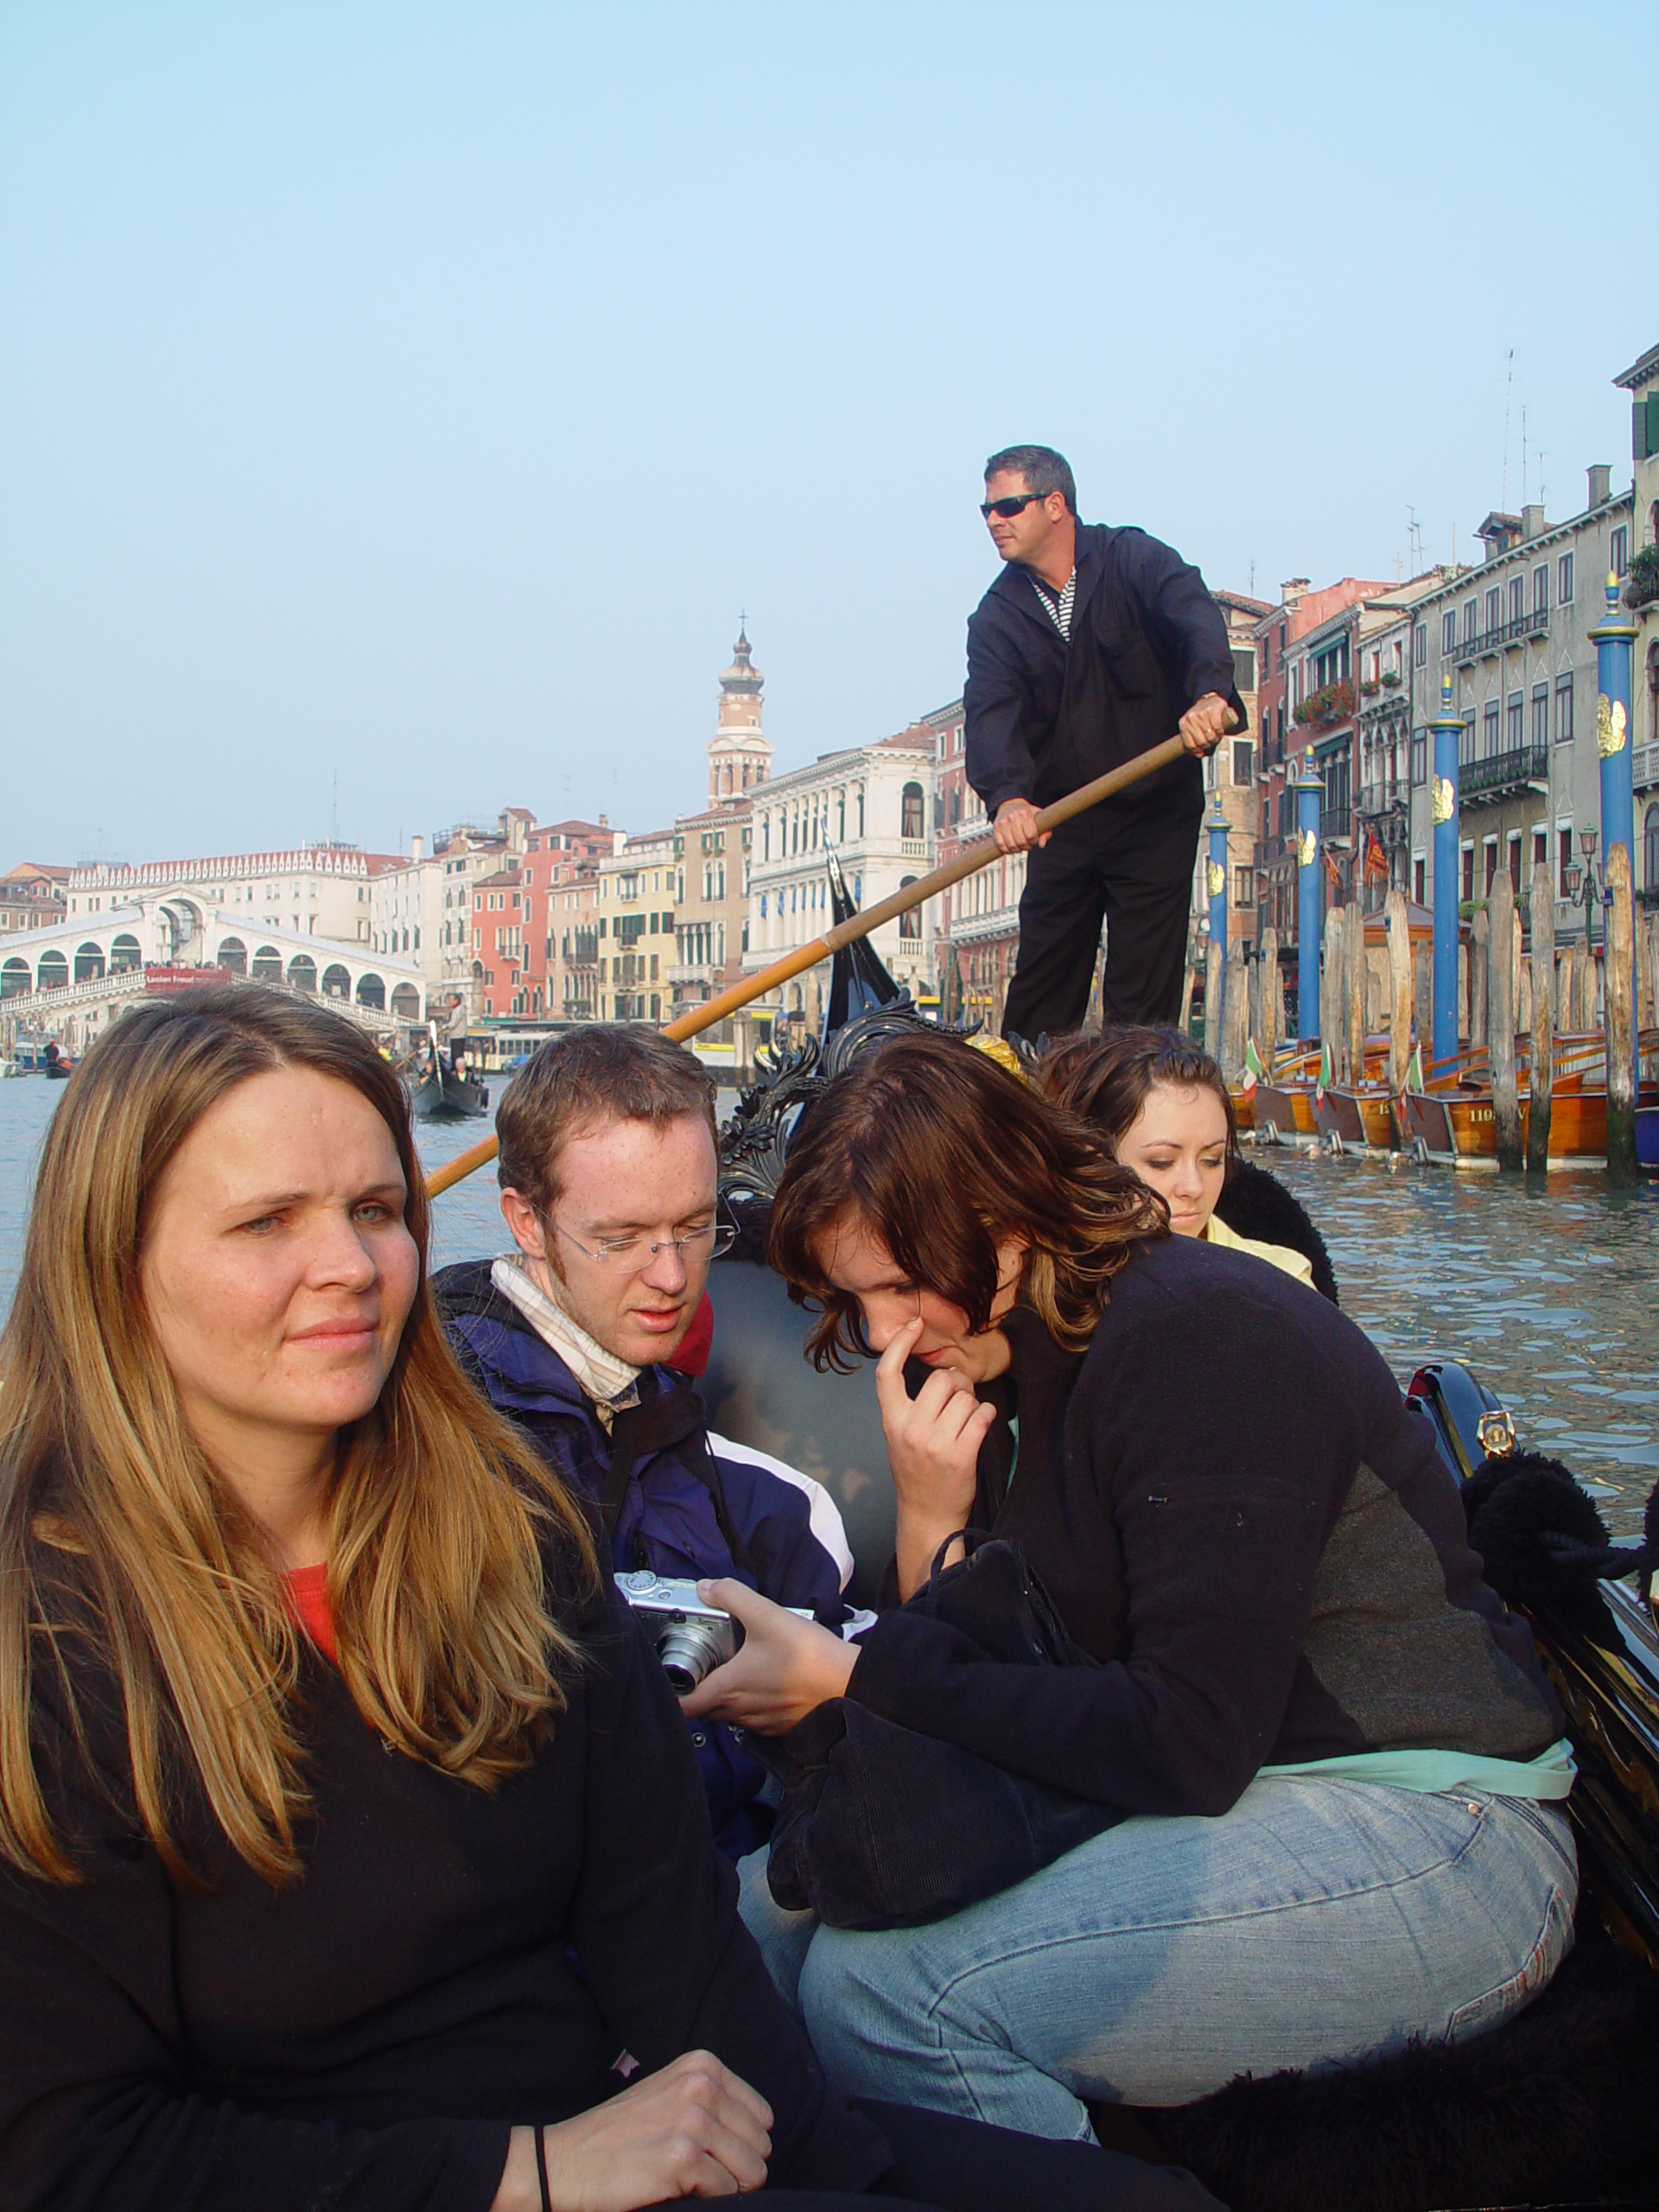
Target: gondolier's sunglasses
x,y
1008,508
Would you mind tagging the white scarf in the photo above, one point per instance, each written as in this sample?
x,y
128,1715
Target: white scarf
x,y
611,1382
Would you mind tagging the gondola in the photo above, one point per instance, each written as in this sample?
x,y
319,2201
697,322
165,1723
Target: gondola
x,y
439,1092
55,1065
1554,2107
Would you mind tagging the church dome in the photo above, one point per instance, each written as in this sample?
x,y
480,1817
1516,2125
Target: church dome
x,y
742,675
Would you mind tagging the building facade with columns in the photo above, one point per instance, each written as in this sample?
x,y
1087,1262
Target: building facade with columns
x,y
873,805
1641,380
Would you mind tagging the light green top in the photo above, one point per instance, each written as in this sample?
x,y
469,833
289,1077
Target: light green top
x,y
1550,1775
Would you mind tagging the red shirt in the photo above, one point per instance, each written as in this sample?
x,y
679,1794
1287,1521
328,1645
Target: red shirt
x,y
307,1595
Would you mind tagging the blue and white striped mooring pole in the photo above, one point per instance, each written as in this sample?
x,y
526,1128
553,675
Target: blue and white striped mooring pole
x,y
1443,792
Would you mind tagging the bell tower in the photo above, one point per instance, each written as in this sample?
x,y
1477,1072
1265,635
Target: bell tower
x,y
740,756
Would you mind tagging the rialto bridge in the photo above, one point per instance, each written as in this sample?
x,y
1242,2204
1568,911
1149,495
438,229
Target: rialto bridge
x,y
70,979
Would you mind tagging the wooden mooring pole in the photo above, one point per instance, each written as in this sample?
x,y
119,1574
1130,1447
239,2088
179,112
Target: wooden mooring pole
x,y
1400,989
1543,1017
1500,947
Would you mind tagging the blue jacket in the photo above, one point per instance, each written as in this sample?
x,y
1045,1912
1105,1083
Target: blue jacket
x,y
686,1512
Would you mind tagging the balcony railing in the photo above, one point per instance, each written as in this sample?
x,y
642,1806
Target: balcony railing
x,y
1644,766
1535,623
1503,771
1336,822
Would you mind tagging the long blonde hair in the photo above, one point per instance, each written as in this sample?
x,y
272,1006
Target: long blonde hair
x,y
113,1522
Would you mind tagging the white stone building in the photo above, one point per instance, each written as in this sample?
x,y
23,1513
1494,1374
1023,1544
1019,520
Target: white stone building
x,y
871,804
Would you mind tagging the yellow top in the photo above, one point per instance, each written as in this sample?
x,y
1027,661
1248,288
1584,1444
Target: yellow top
x,y
1277,1255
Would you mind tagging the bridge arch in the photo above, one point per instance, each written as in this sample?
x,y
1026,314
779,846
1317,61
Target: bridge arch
x,y
371,992
52,972
267,965
124,953
336,981
233,955
89,963
302,972
406,1002
15,977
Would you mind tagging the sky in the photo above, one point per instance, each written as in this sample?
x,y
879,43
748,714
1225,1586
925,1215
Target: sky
x,y
400,403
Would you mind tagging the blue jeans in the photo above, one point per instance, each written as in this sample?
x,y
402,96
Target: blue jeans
x,y
1317,1922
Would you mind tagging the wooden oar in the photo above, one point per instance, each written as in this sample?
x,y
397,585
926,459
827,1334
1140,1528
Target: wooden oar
x,y
969,862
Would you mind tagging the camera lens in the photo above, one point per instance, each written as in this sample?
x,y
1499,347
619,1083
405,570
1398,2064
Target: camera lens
x,y
690,1649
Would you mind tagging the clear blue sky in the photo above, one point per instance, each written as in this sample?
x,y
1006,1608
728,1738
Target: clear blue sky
x,y
415,394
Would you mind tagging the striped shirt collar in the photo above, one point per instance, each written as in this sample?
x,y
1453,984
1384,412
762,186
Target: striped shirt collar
x,y
1057,603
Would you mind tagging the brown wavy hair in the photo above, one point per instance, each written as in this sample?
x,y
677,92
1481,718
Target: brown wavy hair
x,y
119,1542
942,1154
1106,1078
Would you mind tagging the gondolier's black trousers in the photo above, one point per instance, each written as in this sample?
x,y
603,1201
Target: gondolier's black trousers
x,y
1133,868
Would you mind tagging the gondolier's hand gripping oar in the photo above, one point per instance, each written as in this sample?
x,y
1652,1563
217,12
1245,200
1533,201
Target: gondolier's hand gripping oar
x,y
969,862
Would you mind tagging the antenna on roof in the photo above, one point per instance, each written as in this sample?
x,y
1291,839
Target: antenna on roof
x,y
1509,386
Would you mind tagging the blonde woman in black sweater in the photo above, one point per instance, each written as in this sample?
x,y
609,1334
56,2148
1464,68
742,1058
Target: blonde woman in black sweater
x,y
351,1852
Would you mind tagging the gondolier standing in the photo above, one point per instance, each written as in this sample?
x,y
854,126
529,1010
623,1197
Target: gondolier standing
x,y
1094,644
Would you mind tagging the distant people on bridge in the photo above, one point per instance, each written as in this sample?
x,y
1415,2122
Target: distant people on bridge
x,y
1096,643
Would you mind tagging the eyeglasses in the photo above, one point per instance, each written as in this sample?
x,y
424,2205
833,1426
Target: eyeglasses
x,y
630,1255
1008,508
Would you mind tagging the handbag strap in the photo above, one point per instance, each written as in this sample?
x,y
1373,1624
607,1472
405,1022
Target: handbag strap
x,y
970,1540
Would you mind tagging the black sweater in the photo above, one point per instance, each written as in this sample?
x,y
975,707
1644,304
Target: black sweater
x,y
1238,1515
450,1963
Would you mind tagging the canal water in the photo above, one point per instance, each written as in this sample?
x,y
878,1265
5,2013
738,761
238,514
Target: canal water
x,y
1551,1293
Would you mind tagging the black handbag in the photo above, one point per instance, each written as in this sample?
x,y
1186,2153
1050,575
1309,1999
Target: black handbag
x,y
882,1827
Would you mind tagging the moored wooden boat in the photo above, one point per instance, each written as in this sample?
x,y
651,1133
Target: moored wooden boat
x,y
439,1092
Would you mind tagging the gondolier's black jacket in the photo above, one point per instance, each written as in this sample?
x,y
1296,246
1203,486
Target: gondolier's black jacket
x,y
1147,640
1238,1516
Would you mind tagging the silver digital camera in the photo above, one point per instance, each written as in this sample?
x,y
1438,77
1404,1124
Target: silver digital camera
x,y
691,1638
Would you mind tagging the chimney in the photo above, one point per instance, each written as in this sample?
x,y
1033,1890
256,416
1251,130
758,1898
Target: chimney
x,y
1293,589
1601,483
417,849
602,822
1532,521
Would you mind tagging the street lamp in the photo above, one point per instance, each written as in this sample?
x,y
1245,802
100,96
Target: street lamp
x,y
1587,878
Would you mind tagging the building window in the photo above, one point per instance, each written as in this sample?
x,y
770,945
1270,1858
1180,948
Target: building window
x,y
1619,550
1420,646
1419,878
1541,588
1468,872
1541,713
1266,655
1516,735
1564,709
1448,634
1494,610
1515,861
1651,848
1564,581
1489,731
910,824
1489,863
1564,841
1540,848
1245,668
1244,760
1419,756
1471,620
910,924
1518,600
1244,886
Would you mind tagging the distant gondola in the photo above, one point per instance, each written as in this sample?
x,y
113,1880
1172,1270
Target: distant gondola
x,y
55,1066
439,1092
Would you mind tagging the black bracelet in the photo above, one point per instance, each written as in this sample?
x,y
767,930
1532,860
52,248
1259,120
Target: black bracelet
x,y
541,2169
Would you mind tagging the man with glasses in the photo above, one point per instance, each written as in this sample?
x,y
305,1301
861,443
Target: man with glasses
x,y
585,1334
1095,643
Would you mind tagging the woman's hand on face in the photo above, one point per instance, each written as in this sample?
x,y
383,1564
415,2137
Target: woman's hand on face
x,y
785,1668
933,1439
693,2129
